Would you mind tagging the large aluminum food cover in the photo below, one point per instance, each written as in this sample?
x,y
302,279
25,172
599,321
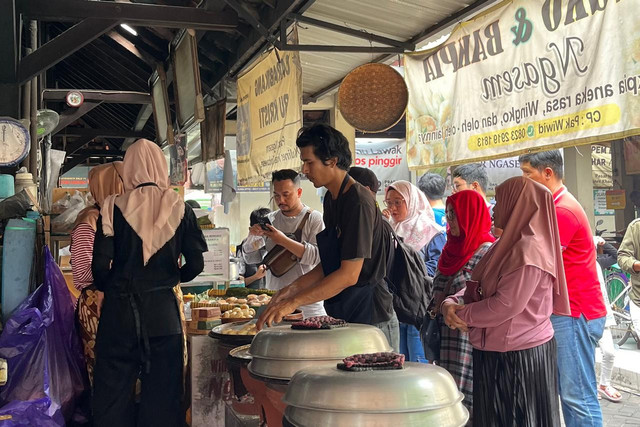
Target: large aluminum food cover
x,y
279,352
418,394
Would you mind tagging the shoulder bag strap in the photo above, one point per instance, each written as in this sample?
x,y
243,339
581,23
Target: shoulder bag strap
x,y
298,232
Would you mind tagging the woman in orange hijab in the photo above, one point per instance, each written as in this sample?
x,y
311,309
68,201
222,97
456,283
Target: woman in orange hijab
x,y
506,307
104,180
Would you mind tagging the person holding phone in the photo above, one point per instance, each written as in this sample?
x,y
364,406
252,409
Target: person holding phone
x,y
277,228
251,252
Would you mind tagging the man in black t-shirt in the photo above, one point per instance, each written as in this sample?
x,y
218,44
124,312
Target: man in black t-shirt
x,y
354,248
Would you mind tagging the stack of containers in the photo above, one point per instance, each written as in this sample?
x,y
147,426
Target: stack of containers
x,y
203,319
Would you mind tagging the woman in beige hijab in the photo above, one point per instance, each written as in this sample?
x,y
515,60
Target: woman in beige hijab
x,y
104,180
140,238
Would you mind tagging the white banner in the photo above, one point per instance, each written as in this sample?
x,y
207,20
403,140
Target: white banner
x,y
385,157
526,75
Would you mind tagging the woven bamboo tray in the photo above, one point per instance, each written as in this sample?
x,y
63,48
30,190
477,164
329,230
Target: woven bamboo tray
x,y
373,97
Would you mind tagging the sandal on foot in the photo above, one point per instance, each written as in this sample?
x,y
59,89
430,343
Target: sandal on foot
x,y
609,393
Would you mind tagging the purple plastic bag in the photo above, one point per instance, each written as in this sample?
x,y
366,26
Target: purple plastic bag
x,y
46,374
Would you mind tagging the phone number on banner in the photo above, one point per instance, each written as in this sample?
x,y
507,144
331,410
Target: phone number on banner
x,y
582,120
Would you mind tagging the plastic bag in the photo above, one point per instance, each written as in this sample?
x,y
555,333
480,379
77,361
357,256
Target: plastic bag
x,y
47,373
15,206
65,221
61,205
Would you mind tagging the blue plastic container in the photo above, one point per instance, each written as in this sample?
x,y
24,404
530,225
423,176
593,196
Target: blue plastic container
x,y
17,257
7,186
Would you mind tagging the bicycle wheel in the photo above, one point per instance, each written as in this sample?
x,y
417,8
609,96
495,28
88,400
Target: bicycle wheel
x,y
616,284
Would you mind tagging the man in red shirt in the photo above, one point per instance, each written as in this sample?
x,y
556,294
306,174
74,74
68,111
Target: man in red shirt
x,y
578,334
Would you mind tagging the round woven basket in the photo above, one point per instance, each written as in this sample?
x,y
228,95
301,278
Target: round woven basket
x,y
373,97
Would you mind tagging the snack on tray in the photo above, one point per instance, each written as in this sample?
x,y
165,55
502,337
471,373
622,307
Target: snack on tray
x,y
372,361
239,313
319,322
248,329
216,292
204,304
244,292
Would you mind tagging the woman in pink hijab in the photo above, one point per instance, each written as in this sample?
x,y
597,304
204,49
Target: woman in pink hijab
x,y
140,237
412,218
506,308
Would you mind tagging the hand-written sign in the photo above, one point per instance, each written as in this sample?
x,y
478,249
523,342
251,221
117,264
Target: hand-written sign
x,y
269,117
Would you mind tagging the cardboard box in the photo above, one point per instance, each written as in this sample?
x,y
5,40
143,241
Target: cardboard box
x,y
205,313
65,263
68,277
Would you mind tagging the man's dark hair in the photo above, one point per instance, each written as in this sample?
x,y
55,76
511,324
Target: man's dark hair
x,y
432,185
327,143
258,214
473,172
285,174
365,177
546,159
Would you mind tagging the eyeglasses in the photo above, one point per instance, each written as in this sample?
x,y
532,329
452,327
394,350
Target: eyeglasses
x,y
459,187
391,203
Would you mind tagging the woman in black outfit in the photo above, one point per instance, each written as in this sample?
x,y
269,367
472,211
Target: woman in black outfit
x,y
139,240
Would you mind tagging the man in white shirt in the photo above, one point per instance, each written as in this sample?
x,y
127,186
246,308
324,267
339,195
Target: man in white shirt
x,y
284,222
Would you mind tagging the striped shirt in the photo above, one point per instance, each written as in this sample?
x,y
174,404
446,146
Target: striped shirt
x,y
82,238
456,352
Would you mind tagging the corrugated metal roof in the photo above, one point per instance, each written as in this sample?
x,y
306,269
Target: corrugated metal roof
x,y
124,62
400,20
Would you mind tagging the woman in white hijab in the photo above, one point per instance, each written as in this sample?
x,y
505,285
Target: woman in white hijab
x,y
140,237
412,218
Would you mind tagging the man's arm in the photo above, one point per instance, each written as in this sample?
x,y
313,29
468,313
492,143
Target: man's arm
x,y
628,251
306,290
307,251
300,284
314,226
279,238
567,226
331,285
608,257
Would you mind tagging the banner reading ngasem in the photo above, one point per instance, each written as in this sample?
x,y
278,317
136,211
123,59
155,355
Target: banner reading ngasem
x,y
269,117
526,75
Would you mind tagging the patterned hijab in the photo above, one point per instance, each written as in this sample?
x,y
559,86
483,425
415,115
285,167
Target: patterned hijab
x,y
474,222
104,180
419,227
149,206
